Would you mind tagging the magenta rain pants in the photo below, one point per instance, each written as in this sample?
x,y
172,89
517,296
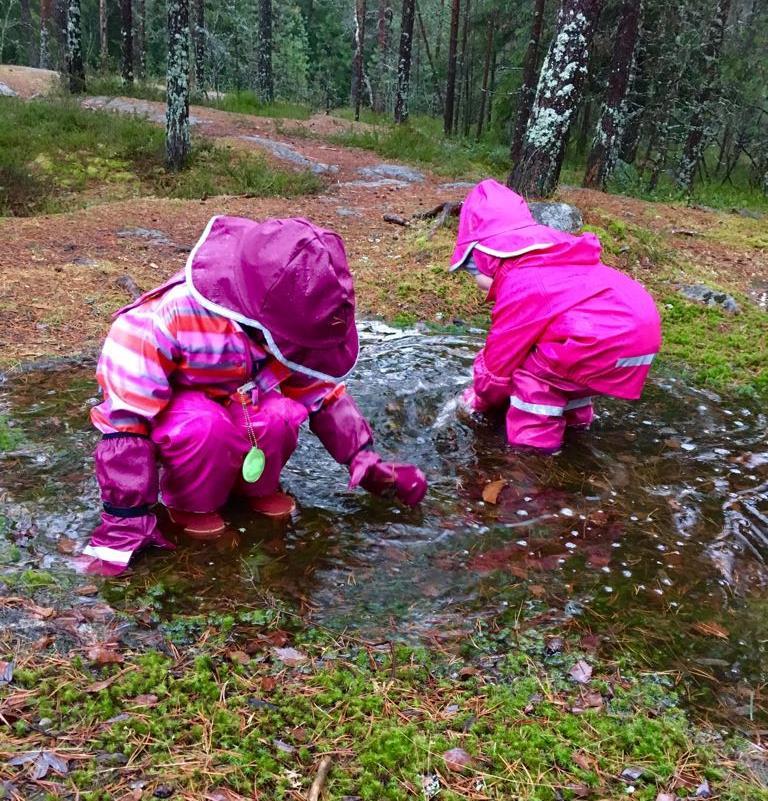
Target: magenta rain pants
x,y
202,443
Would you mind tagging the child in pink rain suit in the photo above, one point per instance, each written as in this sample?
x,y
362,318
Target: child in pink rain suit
x,y
207,379
564,327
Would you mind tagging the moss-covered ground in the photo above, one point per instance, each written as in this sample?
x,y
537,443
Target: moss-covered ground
x,y
245,706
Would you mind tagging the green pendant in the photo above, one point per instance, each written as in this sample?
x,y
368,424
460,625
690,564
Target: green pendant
x,y
254,463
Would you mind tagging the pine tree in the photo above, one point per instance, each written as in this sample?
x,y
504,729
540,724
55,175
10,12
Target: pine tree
x,y
75,67
264,55
450,84
199,41
126,37
177,141
404,62
103,37
557,99
357,59
610,127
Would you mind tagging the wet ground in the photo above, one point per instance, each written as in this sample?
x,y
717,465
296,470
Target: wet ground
x,y
651,531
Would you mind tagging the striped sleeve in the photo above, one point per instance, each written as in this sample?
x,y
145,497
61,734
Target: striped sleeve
x,y
137,360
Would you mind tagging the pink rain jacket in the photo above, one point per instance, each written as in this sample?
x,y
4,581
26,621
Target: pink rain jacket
x,y
587,323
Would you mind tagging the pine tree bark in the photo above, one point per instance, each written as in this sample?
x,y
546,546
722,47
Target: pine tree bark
x,y
557,99
382,39
610,127
75,68
28,32
694,143
462,63
486,75
266,84
140,44
126,41
177,141
45,34
430,60
60,11
103,38
199,41
528,86
357,59
404,61
450,84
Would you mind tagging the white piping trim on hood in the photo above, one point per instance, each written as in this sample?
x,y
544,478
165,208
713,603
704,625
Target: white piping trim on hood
x,y
499,254
247,321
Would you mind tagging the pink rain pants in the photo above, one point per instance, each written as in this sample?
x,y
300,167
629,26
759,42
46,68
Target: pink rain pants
x,y
202,443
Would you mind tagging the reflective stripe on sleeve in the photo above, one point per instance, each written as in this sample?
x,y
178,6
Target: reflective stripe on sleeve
x,y
636,361
536,408
108,554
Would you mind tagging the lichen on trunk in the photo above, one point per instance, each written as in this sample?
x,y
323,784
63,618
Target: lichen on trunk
x,y
177,83
75,68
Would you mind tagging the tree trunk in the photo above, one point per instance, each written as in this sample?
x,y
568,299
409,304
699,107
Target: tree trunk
x,y
610,126
694,143
126,36
140,43
60,12
103,38
404,62
486,74
199,41
528,86
28,32
75,67
462,60
435,79
491,88
450,84
357,60
557,98
264,67
382,38
45,40
177,85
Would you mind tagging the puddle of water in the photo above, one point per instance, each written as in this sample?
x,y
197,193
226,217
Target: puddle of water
x,y
651,529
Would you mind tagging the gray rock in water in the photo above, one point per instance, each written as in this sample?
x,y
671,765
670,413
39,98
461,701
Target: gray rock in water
x,y
6,91
396,171
561,216
287,153
714,298
150,234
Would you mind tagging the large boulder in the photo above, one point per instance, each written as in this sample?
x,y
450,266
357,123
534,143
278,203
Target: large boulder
x,y
561,216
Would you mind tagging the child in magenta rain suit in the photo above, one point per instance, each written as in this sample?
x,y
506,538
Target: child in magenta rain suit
x,y
564,327
207,379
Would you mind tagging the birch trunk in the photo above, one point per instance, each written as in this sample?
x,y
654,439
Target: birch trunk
x,y
177,86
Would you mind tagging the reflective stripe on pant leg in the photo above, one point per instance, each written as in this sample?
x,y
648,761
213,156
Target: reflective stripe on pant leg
x,y
636,361
544,409
578,403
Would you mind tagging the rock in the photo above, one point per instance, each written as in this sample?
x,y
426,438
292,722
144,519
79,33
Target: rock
x,y
287,153
106,758
6,91
749,213
150,234
561,216
714,298
397,171
84,261
343,211
163,791
379,184
457,185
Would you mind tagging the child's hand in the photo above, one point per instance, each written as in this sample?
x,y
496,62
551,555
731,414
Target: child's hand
x,y
405,481
467,402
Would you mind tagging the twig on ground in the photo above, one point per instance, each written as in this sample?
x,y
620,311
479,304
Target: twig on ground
x,y
396,219
319,782
440,214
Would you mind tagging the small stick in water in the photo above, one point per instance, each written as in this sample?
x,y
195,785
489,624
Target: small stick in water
x,y
322,775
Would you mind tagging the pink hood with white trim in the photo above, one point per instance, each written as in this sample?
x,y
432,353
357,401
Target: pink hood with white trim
x,y
495,224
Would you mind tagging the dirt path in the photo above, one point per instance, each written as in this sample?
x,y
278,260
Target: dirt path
x,y
58,273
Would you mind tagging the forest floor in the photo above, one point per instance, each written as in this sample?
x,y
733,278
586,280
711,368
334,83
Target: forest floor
x,y
246,705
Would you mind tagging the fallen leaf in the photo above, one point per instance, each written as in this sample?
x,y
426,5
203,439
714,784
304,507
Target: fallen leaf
x,y
66,546
537,590
144,700
589,700
711,629
224,794
590,642
98,686
703,790
584,761
268,683
581,672
492,491
6,672
467,671
239,657
286,748
666,797
42,612
42,762
290,656
457,759
87,589
103,655
632,773
554,645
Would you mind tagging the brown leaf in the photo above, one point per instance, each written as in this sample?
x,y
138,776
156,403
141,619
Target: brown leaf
x,y
224,794
666,797
537,590
42,612
290,656
66,546
239,657
467,671
581,672
144,700
492,491
457,759
711,629
98,686
87,589
104,655
584,761
268,683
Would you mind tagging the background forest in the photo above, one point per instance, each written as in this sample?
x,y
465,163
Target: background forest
x,y
650,97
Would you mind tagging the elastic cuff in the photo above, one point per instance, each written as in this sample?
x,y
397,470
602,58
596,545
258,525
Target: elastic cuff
x,y
126,511
122,434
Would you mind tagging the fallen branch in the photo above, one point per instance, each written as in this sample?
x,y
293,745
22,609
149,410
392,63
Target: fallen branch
x,y
396,219
129,285
322,775
441,213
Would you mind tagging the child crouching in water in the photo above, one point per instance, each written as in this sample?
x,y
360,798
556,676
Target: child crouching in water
x,y
564,327
207,379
